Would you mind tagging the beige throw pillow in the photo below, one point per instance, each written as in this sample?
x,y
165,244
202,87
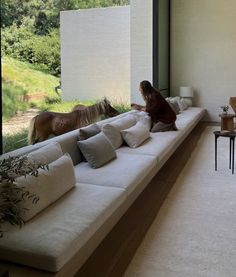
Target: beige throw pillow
x,y
112,130
48,186
135,135
46,154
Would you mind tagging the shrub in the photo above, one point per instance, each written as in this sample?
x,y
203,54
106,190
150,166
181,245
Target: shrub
x,y
12,100
22,44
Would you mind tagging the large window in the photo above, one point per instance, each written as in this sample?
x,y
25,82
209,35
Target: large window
x,y
161,45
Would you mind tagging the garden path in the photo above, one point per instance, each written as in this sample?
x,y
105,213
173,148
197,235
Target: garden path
x,y
19,122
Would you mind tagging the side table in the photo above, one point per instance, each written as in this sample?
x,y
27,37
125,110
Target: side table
x,y
231,136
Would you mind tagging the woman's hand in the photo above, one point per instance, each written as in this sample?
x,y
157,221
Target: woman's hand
x,y
138,107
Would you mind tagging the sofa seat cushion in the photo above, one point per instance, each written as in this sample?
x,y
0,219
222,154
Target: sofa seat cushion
x,y
161,144
126,172
53,237
188,118
157,145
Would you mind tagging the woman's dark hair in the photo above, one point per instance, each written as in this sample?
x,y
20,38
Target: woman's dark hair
x,y
146,89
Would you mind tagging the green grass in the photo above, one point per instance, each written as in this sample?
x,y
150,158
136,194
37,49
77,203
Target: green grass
x,y
31,80
63,107
20,79
12,142
122,107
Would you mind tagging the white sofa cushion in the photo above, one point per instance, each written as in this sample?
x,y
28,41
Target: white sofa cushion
x,y
135,135
157,146
49,186
189,118
112,130
52,238
46,154
126,172
97,150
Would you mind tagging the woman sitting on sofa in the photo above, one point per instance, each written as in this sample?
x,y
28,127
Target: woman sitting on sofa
x,y
162,115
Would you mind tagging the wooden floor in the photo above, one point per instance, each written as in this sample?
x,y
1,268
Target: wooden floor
x,y
113,255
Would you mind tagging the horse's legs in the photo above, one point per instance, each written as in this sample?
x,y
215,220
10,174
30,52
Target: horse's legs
x,y
40,136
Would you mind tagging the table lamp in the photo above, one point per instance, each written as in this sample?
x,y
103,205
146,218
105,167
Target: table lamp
x,y
187,94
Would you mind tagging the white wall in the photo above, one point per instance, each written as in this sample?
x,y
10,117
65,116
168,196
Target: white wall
x,y
95,54
203,51
141,45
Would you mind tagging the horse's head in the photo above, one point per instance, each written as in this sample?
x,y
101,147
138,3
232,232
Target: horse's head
x,y
108,109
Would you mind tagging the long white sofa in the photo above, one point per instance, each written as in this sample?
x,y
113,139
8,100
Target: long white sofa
x,y
58,240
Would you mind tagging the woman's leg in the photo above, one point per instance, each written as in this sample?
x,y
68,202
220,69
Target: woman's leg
x,y
163,127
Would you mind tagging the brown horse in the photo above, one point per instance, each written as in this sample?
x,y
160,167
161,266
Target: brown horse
x,y
51,123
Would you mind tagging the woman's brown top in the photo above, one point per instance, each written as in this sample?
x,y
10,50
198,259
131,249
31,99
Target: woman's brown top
x,y
159,109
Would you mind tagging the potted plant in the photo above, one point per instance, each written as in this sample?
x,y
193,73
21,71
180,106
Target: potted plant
x,y
225,109
10,193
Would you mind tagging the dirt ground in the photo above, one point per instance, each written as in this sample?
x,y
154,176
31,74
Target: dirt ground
x,y
19,122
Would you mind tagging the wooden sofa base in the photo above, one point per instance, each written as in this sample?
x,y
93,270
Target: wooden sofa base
x,y
113,255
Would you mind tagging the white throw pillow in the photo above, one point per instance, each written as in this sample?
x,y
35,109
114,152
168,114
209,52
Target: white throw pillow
x,y
135,135
144,118
49,186
184,104
46,154
112,130
174,104
181,102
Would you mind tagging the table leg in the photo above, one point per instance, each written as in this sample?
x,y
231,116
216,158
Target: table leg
x,y
216,152
230,152
233,156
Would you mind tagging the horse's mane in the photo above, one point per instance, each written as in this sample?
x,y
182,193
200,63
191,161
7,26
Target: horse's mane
x,y
91,113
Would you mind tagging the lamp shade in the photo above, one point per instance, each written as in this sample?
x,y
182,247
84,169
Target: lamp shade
x,y
186,92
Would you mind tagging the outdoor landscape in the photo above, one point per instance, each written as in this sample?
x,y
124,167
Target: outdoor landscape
x,y
30,51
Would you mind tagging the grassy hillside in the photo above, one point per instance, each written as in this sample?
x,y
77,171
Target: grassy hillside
x,y
28,77
23,86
